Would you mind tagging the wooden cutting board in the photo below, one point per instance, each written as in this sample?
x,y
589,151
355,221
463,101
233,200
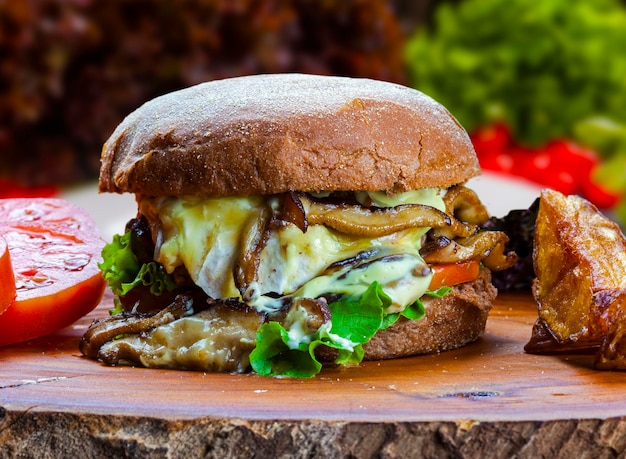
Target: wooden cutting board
x,y
488,398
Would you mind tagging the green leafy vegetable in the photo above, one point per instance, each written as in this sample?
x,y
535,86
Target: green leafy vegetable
x,y
123,272
153,276
440,292
358,320
119,265
548,70
273,356
540,66
416,310
353,323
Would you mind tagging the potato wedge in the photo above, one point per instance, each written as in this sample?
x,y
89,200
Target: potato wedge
x,y
579,259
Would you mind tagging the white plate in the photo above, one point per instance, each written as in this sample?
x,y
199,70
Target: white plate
x,y
499,193
503,193
111,211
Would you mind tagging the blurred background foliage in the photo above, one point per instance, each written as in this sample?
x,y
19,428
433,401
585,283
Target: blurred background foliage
x,y
72,69
539,71
541,67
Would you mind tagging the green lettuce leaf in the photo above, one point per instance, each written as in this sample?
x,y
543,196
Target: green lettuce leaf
x,y
123,272
273,356
414,311
119,265
353,323
359,319
439,293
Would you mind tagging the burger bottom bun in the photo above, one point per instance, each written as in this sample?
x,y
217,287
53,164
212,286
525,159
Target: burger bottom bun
x,y
449,322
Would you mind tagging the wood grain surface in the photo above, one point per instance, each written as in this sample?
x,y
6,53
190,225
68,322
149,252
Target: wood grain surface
x,y
488,398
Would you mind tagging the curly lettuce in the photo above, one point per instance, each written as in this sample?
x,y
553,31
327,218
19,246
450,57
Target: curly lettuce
x,y
354,321
123,272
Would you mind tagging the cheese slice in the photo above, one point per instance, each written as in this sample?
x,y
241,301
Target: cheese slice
x,y
203,234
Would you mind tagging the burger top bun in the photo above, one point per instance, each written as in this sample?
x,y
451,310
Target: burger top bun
x,y
269,134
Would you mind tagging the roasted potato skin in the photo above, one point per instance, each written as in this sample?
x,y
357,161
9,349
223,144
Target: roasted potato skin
x,y
579,258
612,354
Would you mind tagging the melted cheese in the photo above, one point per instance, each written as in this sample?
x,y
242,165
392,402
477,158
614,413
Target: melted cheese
x,y
203,235
402,277
426,196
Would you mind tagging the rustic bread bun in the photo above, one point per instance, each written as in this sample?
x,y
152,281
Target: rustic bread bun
x,y
268,134
449,322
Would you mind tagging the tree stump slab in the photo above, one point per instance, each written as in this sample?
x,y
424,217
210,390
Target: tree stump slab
x,y
487,399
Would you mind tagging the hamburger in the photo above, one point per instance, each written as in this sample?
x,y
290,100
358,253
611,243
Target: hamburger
x,y
289,220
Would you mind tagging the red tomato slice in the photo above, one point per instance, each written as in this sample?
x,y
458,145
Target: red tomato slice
x,y
447,275
55,250
7,279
